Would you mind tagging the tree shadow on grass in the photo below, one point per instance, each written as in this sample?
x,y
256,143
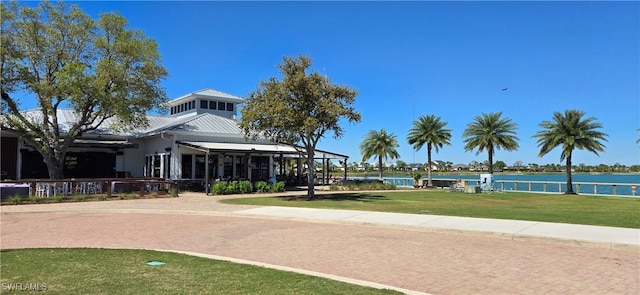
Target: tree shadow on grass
x,y
357,197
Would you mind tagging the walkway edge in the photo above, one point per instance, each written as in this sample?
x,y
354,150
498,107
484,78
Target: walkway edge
x,y
297,270
575,234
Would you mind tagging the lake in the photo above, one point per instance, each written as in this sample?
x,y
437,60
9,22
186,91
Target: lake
x,y
605,183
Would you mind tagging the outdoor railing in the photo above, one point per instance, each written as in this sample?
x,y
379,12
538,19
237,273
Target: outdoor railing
x,y
586,188
85,186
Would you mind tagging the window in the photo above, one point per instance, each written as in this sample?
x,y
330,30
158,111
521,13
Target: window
x,y
221,106
259,168
230,107
166,160
172,110
212,105
200,166
204,104
192,104
186,166
240,169
213,165
156,166
228,166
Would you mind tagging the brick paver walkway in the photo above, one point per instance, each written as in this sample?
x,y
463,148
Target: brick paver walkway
x,y
438,263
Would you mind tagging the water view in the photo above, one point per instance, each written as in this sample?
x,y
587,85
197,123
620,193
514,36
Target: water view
x,y
601,184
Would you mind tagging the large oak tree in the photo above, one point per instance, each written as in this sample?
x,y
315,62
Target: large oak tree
x,y
65,59
299,109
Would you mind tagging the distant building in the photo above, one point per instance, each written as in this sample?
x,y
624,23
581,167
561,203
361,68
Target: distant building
x,y
459,167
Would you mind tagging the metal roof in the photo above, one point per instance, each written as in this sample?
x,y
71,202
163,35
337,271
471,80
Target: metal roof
x,y
206,123
207,93
273,148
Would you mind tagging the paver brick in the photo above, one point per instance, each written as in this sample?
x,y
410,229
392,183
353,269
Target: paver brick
x,y
432,262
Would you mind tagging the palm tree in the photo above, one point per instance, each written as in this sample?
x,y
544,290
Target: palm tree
x,y
490,132
379,144
429,130
570,131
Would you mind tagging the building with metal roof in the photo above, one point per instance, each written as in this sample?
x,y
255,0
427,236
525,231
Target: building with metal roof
x,y
200,140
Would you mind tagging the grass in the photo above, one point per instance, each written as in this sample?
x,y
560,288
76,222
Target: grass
x,y
106,271
576,209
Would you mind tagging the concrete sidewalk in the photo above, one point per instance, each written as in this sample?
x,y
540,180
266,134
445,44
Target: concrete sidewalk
x,y
513,229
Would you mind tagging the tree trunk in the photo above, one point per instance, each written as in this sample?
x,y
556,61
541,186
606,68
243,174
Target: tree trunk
x,y
311,194
569,190
429,182
55,167
491,161
380,167
52,156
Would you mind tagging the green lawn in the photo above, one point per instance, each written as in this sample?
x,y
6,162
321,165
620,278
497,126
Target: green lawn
x,y
105,271
591,210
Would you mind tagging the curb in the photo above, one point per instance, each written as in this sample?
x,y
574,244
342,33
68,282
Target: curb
x,y
297,270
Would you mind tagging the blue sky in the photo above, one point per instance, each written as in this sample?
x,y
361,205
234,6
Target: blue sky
x,y
408,59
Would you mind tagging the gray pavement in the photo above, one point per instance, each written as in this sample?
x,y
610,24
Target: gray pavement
x,y
513,229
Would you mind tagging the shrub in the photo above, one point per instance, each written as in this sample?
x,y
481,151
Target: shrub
x,y
245,187
262,187
36,199
365,186
219,188
78,198
173,192
57,199
335,187
233,187
15,200
416,177
278,186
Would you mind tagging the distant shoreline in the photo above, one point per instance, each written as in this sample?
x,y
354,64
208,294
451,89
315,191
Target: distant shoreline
x,y
424,173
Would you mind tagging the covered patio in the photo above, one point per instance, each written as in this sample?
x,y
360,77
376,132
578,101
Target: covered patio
x,y
260,161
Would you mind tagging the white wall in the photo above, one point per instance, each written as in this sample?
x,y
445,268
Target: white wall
x,y
132,160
